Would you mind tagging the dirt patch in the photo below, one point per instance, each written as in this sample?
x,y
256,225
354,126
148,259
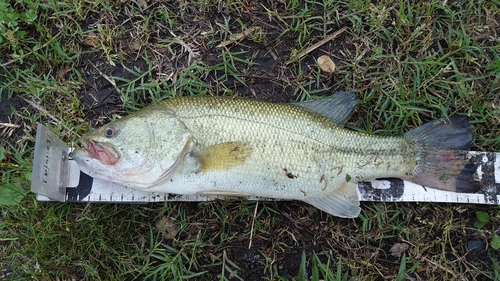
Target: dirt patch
x,y
157,44
260,68
11,127
100,96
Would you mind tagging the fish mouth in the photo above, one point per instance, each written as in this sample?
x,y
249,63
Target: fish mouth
x,y
103,152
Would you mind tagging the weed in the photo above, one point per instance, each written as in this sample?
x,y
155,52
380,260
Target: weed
x,y
68,63
482,218
11,20
15,176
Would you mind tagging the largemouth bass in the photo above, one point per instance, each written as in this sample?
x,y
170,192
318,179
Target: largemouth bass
x,y
240,147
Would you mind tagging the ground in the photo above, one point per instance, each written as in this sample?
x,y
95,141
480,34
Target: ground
x,y
78,65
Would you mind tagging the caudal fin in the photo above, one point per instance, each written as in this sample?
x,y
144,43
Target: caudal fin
x,y
443,163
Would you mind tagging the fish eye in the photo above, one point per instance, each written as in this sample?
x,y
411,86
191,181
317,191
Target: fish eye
x,y
110,131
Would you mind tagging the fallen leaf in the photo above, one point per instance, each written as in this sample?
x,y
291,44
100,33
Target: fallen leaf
x,y
63,71
135,46
421,269
90,39
326,64
238,36
168,227
398,249
143,3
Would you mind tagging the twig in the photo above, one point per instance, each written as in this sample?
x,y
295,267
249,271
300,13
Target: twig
x,y
9,125
8,129
441,267
317,45
238,36
44,111
34,50
41,109
224,257
192,53
110,80
253,222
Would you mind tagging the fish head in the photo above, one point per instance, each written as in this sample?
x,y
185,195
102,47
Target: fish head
x,y
140,150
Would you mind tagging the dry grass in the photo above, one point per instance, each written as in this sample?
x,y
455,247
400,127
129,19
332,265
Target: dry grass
x,y
84,63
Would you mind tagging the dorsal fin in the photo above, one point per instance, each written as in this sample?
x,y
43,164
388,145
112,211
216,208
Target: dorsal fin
x,y
223,155
337,107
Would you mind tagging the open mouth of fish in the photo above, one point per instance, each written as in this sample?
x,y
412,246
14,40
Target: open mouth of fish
x,y
103,152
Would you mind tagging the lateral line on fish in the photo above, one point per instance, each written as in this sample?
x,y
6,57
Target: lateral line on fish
x,y
270,125
349,150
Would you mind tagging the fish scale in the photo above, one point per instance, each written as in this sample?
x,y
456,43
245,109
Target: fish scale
x,y
241,147
308,156
325,140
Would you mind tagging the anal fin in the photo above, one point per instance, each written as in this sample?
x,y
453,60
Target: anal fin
x,y
342,202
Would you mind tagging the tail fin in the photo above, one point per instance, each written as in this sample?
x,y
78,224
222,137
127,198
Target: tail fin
x,y
443,163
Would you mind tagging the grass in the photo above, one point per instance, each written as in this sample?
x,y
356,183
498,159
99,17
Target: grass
x,y
72,65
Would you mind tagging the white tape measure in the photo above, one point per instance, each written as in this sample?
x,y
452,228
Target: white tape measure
x,y
56,177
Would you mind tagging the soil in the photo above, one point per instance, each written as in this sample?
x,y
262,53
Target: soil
x,y
268,79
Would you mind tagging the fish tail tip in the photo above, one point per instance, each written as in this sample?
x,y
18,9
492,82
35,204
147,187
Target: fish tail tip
x,y
444,144
448,170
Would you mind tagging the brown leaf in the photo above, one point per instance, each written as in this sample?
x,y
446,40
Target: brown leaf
x,y
236,37
90,39
143,3
135,46
326,64
398,249
421,269
63,71
168,227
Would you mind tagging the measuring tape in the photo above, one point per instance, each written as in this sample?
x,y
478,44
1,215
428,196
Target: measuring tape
x,y
56,177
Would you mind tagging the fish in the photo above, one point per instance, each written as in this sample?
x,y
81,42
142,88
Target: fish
x,y
228,146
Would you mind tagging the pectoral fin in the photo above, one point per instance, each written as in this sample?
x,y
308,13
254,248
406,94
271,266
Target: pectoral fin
x,y
223,156
343,202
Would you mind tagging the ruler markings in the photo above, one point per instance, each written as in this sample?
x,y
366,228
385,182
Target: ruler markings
x,y
83,188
